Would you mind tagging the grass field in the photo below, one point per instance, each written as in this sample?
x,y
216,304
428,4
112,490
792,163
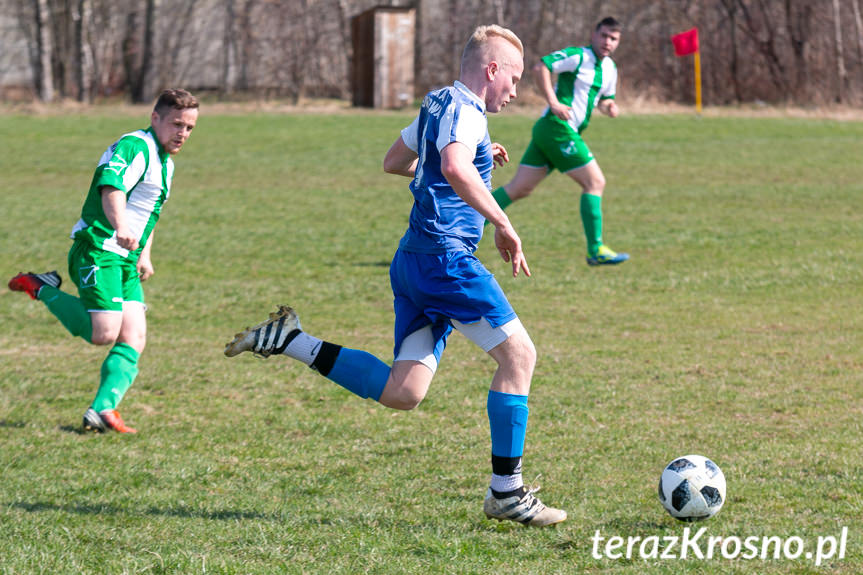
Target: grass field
x,y
735,331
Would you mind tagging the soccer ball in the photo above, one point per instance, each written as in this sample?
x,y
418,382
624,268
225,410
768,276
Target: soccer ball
x,y
692,488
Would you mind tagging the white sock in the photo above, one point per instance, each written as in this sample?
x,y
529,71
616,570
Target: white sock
x,y
304,348
504,483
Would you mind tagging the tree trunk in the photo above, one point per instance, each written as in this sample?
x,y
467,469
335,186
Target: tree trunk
x,y
82,51
246,52
842,75
798,20
858,21
138,89
767,45
137,52
730,7
228,49
42,73
345,28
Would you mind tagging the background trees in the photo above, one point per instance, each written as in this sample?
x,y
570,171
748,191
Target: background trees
x,y
805,52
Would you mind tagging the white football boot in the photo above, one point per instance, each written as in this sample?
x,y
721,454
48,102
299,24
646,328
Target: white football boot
x,y
523,508
268,337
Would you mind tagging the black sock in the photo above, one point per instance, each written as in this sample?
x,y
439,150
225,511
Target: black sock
x,y
326,358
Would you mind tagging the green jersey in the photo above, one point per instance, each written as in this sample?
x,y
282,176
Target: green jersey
x,y
582,81
137,165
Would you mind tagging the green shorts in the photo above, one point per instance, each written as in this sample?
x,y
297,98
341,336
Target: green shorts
x,y
105,280
555,145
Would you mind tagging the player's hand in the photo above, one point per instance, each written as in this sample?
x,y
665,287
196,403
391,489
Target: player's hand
x,y
499,155
611,109
126,240
509,245
562,111
145,269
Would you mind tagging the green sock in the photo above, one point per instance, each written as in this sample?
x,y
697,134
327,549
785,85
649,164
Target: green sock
x,y
118,372
591,217
502,199
69,310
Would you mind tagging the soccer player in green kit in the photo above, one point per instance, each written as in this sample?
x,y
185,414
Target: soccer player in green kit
x,y
587,79
110,256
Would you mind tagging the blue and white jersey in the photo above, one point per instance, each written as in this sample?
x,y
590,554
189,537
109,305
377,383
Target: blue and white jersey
x,y
440,220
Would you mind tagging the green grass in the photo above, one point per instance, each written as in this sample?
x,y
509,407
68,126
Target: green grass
x,y
735,331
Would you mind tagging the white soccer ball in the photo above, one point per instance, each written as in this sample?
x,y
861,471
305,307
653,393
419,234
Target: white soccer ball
x,y
692,488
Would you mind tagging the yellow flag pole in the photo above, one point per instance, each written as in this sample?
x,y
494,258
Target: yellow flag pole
x,y
698,82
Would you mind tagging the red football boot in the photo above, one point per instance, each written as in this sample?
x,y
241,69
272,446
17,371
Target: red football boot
x,y
105,420
31,283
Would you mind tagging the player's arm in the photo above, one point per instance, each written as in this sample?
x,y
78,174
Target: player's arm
x,y
400,159
457,167
542,76
114,206
145,264
121,172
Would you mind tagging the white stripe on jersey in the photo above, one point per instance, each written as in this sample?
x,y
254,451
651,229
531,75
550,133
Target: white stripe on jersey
x,y
143,195
470,129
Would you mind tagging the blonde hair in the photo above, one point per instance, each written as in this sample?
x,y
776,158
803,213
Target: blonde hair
x,y
478,51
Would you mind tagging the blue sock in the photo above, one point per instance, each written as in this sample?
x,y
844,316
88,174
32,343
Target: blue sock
x,y
507,418
359,372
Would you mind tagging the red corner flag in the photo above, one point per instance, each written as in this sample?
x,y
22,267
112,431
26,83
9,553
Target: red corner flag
x,y
685,43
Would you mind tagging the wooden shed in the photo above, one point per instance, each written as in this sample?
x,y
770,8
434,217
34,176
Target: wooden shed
x,y
382,74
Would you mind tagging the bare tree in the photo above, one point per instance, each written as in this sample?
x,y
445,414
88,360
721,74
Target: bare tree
x,y
730,7
789,50
42,64
345,28
798,22
841,75
229,50
132,51
83,64
105,30
179,52
858,22
246,35
138,85
759,26
297,40
138,50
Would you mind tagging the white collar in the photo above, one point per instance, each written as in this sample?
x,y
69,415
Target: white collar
x,y
467,91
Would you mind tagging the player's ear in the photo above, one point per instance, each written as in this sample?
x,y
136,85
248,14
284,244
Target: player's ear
x,y
492,69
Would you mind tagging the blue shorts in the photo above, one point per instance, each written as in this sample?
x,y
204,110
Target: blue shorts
x,y
432,289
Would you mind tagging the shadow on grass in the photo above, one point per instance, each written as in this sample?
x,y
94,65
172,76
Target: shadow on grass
x,y
12,424
379,264
94,509
78,430
358,519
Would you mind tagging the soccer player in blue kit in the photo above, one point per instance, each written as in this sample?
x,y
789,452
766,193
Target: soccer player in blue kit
x,y
438,283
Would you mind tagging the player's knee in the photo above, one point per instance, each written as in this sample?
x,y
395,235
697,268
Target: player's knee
x,y
528,355
518,192
596,185
103,337
405,399
405,389
405,403
521,358
137,341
